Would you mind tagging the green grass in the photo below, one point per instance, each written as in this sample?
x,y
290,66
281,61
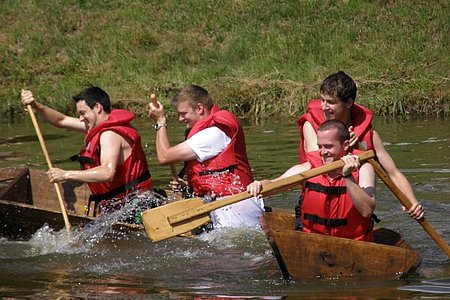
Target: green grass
x,y
257,58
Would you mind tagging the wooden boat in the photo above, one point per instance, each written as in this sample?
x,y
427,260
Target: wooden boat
x,y
28,201
307,256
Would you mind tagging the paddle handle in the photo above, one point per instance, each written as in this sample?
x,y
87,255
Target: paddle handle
x,y
407,203
283,184
49,164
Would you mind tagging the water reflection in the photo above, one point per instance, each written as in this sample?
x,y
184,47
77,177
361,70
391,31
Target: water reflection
x,y
96,262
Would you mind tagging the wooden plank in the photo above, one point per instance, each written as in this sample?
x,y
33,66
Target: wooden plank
x,y
20,220
75,194
18,187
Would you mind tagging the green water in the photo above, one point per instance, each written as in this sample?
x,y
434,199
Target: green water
x,y
238,263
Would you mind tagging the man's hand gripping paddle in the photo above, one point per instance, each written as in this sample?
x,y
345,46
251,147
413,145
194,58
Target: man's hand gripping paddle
x,y
183,216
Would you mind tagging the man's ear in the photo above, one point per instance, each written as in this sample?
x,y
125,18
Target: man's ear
x,y
350,103
346,145
200,109
98,108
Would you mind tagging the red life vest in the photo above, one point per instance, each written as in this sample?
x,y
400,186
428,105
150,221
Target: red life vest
x,y
132,174
328,208
361,122
227,173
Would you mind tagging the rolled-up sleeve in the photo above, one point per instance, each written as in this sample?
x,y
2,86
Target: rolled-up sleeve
x,y
208,143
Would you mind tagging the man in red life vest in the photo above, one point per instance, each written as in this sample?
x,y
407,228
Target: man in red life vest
x,y
340,203
214,152
337,101
112,159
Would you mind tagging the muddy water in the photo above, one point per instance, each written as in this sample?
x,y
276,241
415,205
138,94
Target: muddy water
x,y
97,264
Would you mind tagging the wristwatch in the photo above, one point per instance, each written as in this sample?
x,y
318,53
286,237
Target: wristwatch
x,y
159,125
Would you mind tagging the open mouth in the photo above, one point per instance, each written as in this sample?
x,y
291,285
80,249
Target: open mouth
x,y
327,159
328,115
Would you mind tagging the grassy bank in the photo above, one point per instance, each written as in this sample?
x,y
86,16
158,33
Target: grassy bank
x,y
257,58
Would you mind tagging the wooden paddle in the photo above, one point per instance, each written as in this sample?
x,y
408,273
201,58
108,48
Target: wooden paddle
x,y
182,216
173,171
49,164
407,203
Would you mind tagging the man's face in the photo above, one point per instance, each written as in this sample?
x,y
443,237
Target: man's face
x,y
334,108
89,116
330,149
187,114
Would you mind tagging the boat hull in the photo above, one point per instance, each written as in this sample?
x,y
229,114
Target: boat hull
x,y
29,201
308,256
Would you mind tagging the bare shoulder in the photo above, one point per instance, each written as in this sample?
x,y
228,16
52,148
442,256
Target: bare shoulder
x,y
110,134
112,138
308,129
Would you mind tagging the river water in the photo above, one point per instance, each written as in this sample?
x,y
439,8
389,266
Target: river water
x,y
224,263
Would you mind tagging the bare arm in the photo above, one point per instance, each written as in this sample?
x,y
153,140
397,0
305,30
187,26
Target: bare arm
x,y
309,138
397,177
168,155
52,116
363,192
114,151
256,186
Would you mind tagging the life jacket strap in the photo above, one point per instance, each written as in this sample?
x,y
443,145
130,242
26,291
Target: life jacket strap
x,y
328,190
325,222
82,160
117,191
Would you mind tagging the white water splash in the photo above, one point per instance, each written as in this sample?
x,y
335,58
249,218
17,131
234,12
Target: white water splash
x,y
81,239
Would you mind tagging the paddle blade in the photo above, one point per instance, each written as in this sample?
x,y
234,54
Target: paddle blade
x,y
156,220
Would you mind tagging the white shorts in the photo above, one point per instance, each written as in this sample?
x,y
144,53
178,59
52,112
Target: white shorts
x,y
245,213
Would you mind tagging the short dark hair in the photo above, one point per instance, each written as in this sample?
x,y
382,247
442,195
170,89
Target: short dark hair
x,y
340,85
193,94
342,129
93,95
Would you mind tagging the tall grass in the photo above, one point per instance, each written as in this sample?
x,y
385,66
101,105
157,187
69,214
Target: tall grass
x,y
257,58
